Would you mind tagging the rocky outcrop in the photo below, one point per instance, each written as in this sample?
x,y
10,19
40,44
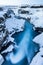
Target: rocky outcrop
x,y
20,11
37,6
1,8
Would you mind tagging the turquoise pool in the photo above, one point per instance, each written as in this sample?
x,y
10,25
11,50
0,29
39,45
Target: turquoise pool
x,y
27,48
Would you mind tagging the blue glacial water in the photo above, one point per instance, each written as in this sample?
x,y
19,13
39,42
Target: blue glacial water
x,y
27,48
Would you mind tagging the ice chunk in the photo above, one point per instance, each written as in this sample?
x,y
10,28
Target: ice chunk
x,y
37,19
14,25
1,59
38,59
39,39
9,49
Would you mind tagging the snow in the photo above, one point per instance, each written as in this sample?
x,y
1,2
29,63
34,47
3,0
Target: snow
x,y
1,59
35,15
10,39
9,49
14,25
39,39
2,13
37,18
24,16
38,59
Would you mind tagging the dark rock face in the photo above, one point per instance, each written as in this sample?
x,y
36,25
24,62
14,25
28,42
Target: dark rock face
x,y
1,19
39,29
1,9
24,6
40,6
28,18
23,11
10,11
6,16
3,32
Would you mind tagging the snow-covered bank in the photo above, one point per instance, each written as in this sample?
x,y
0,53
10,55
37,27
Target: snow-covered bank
x,y
37,18
39,39
1,59
38,59
12,23
15,25
34,15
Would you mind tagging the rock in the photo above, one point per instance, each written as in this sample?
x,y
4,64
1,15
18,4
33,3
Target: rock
x,y
1,9
6,16
10,11
37,19
25,6
39,29
20,11
28,18
36,6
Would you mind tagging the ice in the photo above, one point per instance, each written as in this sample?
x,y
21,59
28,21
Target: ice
x,y
39,39
2,13
10,39
16,58
37,19
14,25
38,59
35,15
1,59
25,16
9,49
